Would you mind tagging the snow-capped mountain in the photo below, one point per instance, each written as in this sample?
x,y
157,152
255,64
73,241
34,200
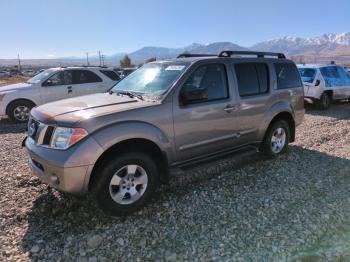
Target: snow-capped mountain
x,y
303,46
324,48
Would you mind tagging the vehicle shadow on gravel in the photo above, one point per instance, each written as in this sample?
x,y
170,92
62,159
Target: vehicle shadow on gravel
x,y
7,127
336,110
301,200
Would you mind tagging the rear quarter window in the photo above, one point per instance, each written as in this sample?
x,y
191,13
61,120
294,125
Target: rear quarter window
x,y
287,75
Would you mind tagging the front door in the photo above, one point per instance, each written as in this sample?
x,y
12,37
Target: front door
x,y
57,87
206,124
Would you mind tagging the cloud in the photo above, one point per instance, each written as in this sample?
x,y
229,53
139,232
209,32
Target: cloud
x,y
51,56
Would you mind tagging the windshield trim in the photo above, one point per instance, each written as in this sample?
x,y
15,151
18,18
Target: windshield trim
x,y
158,97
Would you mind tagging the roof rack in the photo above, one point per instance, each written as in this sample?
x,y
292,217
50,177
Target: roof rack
x,y
253,53
193,55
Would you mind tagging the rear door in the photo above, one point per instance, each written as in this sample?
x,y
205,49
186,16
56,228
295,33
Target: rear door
x,y
254,98
334,81
345,81
87,82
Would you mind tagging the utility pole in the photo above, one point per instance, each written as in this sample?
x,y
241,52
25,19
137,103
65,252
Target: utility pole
x,y
19,63
87,58
103,60
99,56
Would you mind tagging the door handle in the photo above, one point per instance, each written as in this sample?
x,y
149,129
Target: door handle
x,y
230,108
69,89
293,92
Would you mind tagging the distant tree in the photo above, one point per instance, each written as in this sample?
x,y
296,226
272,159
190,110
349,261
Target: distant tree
x,y
126,62
152,59
298,59
184,53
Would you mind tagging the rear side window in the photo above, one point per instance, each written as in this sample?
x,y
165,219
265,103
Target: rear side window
x,y
211,77
111,75
252,78
287,75
85,76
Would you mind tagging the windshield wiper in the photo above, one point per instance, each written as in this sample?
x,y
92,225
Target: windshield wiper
x,y
130,94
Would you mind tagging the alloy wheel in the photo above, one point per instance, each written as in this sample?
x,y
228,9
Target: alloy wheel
x,y
128,184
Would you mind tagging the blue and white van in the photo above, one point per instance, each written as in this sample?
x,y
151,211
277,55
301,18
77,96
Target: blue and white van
x,y
324,83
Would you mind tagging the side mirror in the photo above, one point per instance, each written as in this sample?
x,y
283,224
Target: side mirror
x,y
193,96
318,82
48,83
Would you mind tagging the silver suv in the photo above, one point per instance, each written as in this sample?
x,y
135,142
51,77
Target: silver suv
x,y
120,145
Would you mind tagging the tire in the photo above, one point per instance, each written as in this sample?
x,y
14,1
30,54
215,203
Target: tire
x,y
18,111
325,101
122,177
268,148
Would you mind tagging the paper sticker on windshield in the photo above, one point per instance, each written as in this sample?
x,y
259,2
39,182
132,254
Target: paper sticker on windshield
x,y
175,67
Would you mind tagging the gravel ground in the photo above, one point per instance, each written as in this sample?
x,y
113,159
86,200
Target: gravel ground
x,y
294,208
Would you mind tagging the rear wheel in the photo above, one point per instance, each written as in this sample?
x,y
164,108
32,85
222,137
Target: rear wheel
x,y
325,101
276,139
18,111
126,183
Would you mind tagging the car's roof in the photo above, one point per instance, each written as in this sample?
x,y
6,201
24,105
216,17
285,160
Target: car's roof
x,y
81,67
237,58
314,65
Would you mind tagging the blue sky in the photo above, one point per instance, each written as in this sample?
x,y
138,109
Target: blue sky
x,y
57,28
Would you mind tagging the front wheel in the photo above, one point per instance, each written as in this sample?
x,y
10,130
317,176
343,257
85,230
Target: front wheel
x,y
126,183
18,111
276,139
325,101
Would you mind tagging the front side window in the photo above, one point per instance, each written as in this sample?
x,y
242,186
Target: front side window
x,y
252,78
60,78
154,79
287,75
212,78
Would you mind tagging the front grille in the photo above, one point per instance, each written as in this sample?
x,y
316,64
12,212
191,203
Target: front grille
x,y
39,133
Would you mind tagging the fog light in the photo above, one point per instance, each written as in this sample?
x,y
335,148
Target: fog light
x,y
55,180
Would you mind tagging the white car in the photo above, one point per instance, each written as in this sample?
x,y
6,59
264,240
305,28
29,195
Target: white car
x,y
53,84
324,83
4,74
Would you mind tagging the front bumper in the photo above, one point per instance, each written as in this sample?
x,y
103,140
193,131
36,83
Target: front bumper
x,y
67,170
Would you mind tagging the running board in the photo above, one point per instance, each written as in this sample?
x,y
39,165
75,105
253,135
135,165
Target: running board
x,y
239,155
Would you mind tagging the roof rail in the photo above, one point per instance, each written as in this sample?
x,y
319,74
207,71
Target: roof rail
x,y
193,55
229,53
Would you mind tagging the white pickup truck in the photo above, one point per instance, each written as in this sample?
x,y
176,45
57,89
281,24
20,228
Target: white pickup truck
x,y
53,84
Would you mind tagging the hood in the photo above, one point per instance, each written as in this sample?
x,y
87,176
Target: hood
x,y
85,107
14,87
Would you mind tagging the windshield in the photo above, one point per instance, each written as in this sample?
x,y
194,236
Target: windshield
x,y
154,79
307,74
40,77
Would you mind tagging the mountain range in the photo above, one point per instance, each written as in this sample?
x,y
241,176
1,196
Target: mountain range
x,y
322,48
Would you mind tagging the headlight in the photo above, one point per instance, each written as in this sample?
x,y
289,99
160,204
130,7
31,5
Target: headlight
x,y
64,137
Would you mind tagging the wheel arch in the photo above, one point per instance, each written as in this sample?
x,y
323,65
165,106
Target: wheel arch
x,y
132,145
286,116
18,100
